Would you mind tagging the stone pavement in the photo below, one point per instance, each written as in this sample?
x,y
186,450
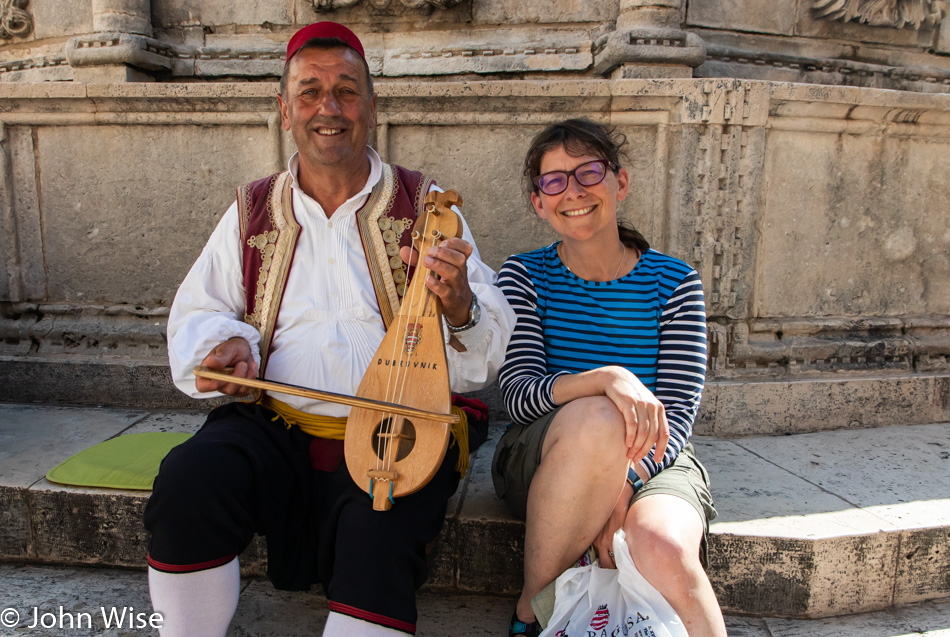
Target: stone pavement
x,y
37,593
810,525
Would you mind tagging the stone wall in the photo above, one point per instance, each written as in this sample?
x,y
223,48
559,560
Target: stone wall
x,y
897,44
900,44
769,149
817,217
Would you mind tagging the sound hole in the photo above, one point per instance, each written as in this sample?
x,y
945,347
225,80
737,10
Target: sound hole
x,y
397,431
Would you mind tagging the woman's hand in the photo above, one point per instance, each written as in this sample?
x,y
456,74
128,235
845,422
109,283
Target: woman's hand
x,y
643,414
604,542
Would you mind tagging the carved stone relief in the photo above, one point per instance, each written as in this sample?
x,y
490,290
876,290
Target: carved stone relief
x,y
321,6
898,14
15,21
725,196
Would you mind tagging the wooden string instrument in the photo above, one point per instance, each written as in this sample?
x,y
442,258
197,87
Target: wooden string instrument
x,y
389,454
399,426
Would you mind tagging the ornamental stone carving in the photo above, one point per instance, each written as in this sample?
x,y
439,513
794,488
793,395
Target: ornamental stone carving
x,y
15,21
649,42
322,6
898,14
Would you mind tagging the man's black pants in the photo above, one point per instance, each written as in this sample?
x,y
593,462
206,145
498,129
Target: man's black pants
x,y
245,472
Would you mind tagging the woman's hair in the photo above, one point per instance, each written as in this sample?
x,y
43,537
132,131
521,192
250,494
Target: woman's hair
x,y
582,137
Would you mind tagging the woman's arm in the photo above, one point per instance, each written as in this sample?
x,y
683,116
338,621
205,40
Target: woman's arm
x,y
681,365
525,382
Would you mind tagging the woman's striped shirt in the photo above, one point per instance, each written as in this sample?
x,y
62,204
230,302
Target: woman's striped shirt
x,y
651,321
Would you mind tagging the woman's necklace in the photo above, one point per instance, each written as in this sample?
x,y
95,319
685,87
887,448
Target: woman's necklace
x,y
623,253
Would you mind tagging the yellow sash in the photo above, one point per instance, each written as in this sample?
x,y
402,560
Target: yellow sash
x,y
332,428
326,427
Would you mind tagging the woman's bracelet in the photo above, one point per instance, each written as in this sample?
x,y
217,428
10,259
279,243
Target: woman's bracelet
x,y
634,479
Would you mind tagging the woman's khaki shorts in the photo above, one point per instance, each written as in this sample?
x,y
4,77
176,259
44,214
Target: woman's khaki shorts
x,y
518,455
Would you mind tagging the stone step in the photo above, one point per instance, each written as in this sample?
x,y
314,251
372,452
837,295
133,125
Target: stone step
x,y
754,405
35,594
809,525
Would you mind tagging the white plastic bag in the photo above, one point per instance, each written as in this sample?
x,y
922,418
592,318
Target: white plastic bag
x,y
591,601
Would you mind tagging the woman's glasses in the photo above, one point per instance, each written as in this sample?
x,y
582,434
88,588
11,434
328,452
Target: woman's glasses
x,y
589,174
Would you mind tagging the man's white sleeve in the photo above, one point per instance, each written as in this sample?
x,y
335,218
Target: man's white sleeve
x,y
209,306
487,341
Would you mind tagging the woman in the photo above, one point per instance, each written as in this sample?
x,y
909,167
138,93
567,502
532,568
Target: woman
x,y
603,377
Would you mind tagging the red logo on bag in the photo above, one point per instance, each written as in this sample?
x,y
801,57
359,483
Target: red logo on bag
x,y
601,618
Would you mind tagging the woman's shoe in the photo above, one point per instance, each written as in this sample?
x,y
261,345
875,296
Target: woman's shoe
x,y
518,628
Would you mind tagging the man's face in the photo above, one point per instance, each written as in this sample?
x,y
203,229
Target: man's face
x,y
328,107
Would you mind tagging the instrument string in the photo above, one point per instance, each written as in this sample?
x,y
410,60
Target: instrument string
x,y
386,422
387,416
400,354
423,293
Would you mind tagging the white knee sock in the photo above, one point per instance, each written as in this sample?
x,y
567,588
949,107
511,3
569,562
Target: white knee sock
x,y
200,603
339,625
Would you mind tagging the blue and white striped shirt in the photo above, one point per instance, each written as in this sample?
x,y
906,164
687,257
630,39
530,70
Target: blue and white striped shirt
x,y
651,321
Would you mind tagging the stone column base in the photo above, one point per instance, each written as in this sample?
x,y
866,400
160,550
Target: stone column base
x,y
100,57
672,49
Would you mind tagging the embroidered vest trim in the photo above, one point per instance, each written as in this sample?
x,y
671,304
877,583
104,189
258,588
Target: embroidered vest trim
x,y
269,233
385,225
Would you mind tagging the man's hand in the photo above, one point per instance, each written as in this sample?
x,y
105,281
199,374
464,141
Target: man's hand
x,y
449,263
235,353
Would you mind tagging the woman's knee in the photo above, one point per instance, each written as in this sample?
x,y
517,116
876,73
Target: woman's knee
x,y
588,427
664,551
665,542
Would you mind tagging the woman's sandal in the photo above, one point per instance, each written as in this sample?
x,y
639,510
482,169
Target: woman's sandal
x,y
518,628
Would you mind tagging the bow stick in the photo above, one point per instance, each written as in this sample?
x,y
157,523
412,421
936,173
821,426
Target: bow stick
x,y
305,392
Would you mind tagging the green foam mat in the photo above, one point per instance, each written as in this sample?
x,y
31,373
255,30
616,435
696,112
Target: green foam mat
x,y
124,462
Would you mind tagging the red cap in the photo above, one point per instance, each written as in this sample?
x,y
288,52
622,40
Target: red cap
x,y
330,30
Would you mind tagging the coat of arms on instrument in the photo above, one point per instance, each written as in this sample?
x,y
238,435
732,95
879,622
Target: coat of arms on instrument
x,y
413,336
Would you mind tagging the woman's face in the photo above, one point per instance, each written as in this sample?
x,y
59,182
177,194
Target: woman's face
x,y
580,212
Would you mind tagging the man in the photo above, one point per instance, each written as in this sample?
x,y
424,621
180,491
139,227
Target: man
x,y
297,285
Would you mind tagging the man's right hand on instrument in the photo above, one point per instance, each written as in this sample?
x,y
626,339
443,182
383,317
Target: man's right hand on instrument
x,y
236,353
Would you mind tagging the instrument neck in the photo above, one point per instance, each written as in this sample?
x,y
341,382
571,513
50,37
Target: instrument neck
x,y
419,301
